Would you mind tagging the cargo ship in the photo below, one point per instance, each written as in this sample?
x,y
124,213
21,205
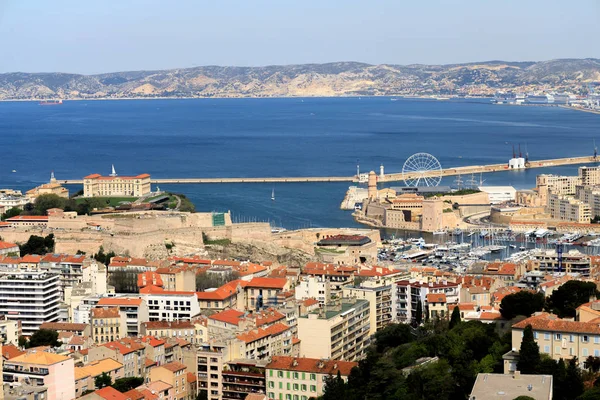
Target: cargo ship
x,y
50,102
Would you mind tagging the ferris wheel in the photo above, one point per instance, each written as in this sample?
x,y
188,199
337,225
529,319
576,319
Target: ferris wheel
x,y
422,169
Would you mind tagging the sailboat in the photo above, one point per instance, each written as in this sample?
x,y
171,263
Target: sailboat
x,y
114,173
273,195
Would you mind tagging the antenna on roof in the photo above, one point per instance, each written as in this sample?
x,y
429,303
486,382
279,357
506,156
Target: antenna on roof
x,y
114,173
514,154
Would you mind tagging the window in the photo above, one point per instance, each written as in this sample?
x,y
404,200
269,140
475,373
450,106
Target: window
x,y
288,397
270,372
535,335
558,336
585,338
296,397
271,395
546,336
585,352
557,349
288,386
313,388
571,338
296,375
313,377
280,374
547,349
596,339
296,387
303,388
271,384
596,353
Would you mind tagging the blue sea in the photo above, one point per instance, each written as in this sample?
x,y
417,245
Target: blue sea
x,y
279,137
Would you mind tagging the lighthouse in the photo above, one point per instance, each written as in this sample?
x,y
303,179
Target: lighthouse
x,y
381,172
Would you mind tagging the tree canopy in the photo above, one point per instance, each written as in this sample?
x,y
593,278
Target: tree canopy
x,y
529,354
38,245
524,303
126,384
565,300
44,337
102,380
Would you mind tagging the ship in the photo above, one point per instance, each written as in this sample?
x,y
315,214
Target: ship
x,y
538,99
50,102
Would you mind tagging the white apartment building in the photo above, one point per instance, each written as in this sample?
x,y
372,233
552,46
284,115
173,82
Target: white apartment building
x,y
171,306
591,196
30,297
380,298
81,313
9,332
316,287
339,331
589,176
410,292
568,209
557,184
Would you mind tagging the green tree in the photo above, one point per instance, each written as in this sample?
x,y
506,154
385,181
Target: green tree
x,y
574,382
123,281
205,280
22,341
202,395
524,398
455,318
335,388
44,337
419,313
529,354
11,212
592,394
565,300
430,382
393,335
524,303
103,380
38,245
126,384
44,202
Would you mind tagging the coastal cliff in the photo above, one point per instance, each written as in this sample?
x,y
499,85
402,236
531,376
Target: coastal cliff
x,y
332,79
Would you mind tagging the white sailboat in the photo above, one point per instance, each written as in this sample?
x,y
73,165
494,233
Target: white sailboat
x,y
273,195
114,173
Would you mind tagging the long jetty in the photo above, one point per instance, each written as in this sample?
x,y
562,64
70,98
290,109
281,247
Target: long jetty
x,y
394,177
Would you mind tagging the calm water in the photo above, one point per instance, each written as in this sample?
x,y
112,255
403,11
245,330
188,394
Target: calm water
x,y
278,137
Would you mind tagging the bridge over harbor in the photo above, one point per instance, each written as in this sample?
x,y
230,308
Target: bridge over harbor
x,y
393,177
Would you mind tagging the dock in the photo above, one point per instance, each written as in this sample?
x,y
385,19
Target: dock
x,y
394,177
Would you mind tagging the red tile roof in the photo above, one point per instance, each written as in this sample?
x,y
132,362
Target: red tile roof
x,y
11,351
310,302
124,346
7,245
436,298
174,366
110,393
271,283
152,341
64,326
311,365
181,324
134,394
229,316
112,312
551,323
227,290
191,377
260,333
119,301
18,218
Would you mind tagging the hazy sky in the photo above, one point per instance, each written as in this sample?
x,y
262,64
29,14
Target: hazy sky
x,y
92,36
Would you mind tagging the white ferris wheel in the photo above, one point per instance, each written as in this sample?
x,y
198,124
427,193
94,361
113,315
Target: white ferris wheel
x,y
422,169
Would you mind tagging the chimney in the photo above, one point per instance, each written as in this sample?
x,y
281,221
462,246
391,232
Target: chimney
x,y
294,363
517,374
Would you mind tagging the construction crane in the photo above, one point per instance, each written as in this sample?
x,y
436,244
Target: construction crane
x,y
559,255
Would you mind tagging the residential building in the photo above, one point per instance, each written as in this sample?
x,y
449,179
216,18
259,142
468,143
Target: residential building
x,y
210,359
265,292
437,307
560,338
10,330
338,276
177,279
548,262
96,185
184,329
379,296
589,176
7,248
591,196
315,287
339,330
499,386
39,368
68,267
29,297
556,184
174,374
130,353
108,324
135,310
261,343
300,378
227,296
85,376
169,305
566,208
242,377
409,293
76,329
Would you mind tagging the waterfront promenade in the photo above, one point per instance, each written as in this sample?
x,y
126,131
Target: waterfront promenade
x,y
394,177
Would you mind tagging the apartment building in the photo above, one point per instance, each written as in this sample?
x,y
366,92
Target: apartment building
x,y
135,310
339,330
557,184
68,267
174,374
591,196
573,262
337,275
108,324
68,327
380,299
29,297
300,378
169,305
85,377
7,248
437,306
210,359
410,292
265,292
261,343
177,279
589,176
96,185
242,377
130,353
315,287
39,368
560,338
566,208
192,331
10,331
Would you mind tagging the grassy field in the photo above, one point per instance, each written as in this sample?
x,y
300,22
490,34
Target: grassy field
x,y
110,201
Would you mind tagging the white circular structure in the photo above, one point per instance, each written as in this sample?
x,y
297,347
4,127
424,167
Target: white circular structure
x,y
422,169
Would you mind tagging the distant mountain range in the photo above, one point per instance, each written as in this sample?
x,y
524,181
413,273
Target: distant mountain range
x,y
332,79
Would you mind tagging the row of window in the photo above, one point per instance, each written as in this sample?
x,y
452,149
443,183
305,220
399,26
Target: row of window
x,y
287,396
584,352
294,375
295,387
571,338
